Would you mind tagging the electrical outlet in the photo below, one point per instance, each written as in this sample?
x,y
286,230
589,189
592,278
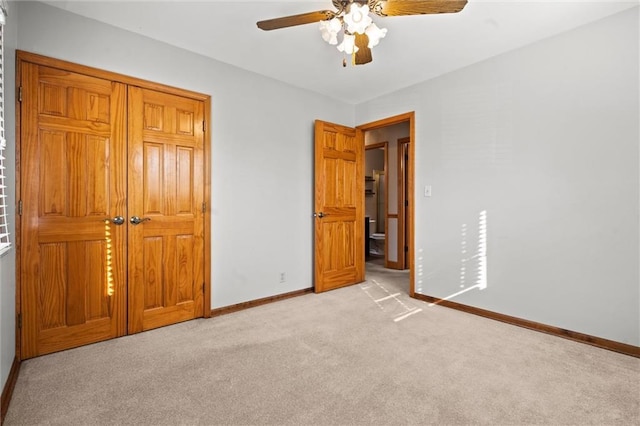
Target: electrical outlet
x,y
283,277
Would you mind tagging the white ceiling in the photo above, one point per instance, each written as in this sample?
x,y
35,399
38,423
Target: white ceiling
x,y
416,48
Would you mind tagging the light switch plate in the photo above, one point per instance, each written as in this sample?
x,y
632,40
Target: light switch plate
x,y
427,191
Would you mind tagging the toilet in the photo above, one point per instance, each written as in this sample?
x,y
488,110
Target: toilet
x,y
376,246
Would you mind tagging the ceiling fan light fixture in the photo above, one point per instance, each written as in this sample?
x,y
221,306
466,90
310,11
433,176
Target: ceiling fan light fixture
x,y
352,17
357,18
330,29
353,22
348,44
375,34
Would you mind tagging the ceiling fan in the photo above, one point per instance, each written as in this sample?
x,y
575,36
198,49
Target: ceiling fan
x,y
352,19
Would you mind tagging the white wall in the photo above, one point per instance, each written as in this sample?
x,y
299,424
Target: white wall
x,y
8,260
545,140
262,157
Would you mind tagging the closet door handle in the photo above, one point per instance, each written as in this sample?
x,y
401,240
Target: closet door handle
x,y
118,220
135,220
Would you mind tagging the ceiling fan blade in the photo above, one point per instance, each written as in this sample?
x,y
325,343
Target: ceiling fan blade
x,y
418,7
363,55
290,21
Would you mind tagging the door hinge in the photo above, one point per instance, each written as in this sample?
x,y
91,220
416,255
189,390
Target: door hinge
x,y
204,207
20,94
406,249
19,320
20,208
406,203
204,126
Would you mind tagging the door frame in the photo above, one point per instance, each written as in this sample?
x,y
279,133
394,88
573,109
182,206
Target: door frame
x,y
401,118
404,144
27,57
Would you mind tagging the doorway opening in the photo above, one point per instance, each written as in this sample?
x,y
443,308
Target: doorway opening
x,y
375,202
388,183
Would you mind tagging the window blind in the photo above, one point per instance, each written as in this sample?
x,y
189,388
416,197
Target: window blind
x,y
5,243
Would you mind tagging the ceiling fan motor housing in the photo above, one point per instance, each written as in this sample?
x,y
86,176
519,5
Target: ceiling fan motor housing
x,y
343,5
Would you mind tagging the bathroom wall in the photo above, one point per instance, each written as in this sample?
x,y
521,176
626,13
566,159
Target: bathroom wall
x,y
374,161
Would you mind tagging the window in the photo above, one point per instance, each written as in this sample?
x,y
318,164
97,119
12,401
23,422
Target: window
x,y
5,243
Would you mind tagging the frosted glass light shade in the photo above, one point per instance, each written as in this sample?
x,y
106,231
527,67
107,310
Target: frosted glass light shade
x,y
375,34
348,44
330,30
357,19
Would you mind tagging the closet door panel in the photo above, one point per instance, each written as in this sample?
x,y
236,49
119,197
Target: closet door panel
x,y
73,179
166,194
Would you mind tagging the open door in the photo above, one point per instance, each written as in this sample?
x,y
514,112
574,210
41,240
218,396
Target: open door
x,y
339,206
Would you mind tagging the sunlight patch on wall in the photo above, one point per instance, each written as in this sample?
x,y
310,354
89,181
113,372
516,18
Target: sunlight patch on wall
x,y
108,260
473,266
482,251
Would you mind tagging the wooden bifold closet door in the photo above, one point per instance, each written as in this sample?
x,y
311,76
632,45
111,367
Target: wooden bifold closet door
x,y
166,282
112,192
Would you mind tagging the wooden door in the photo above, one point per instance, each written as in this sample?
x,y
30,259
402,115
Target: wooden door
x,y
89,161
166,191
339,206
73,179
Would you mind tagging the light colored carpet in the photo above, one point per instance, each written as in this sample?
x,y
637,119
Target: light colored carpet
x,y
358,355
